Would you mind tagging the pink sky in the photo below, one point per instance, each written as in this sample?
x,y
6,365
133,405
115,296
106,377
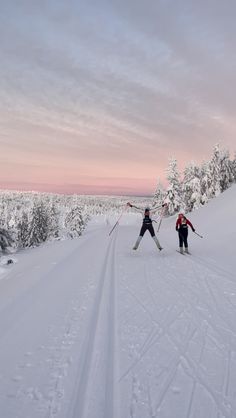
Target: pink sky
x,y
90,111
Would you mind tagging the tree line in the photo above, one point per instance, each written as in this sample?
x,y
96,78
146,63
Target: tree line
x,y
198,183
29,219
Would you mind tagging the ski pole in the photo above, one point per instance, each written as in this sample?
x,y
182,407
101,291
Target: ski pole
x,y
162,214
198,234
117,222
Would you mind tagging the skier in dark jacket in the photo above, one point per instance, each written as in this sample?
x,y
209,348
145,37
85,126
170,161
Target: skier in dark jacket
x,y
182,228
147,224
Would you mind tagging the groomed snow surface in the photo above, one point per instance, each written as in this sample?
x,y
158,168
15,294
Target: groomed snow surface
x,y
92,329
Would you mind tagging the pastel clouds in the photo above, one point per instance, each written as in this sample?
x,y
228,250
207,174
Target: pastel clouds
x,y
99,95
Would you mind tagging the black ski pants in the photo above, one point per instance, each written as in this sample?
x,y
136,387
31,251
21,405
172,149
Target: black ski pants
x,y
183,237
147,227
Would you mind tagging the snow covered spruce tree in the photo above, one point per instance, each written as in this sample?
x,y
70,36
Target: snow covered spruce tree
x,y
234,167
226,170
205,182
5,239
23,231
173,196
215,174
218,173
54,218
191,187
38,230
159,195
74,222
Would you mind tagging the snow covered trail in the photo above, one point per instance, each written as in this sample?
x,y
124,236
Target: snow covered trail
x,y
92,329
180,327
95,388
45,307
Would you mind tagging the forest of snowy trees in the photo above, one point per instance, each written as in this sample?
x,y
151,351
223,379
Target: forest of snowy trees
x,y
197,184
28,218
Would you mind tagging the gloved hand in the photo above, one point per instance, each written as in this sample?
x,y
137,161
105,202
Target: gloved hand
x,y
177,229
193,230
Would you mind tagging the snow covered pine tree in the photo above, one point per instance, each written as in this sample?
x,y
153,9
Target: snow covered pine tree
x,y
173,196
5,242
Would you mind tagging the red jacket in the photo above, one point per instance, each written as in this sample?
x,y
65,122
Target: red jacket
x,y
181,222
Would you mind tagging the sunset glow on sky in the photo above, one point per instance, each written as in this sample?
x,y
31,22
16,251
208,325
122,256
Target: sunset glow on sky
x,y
96,96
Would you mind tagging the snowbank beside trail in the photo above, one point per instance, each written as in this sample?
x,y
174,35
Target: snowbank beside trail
x,y
216,223
217,219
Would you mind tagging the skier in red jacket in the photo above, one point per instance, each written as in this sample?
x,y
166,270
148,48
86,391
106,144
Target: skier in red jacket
x,y
182,228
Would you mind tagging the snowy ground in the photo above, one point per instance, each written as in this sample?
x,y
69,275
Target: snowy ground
x,y
91,329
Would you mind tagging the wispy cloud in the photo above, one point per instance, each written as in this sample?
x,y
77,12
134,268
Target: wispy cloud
x,y
114,87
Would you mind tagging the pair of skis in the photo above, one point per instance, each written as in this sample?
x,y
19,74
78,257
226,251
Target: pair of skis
x,y
183,253
187,253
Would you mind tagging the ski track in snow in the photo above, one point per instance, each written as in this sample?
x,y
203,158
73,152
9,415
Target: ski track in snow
x,y
225,326
102,320
118,334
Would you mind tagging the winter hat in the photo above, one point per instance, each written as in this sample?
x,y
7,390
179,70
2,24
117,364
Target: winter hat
x,y
181,211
